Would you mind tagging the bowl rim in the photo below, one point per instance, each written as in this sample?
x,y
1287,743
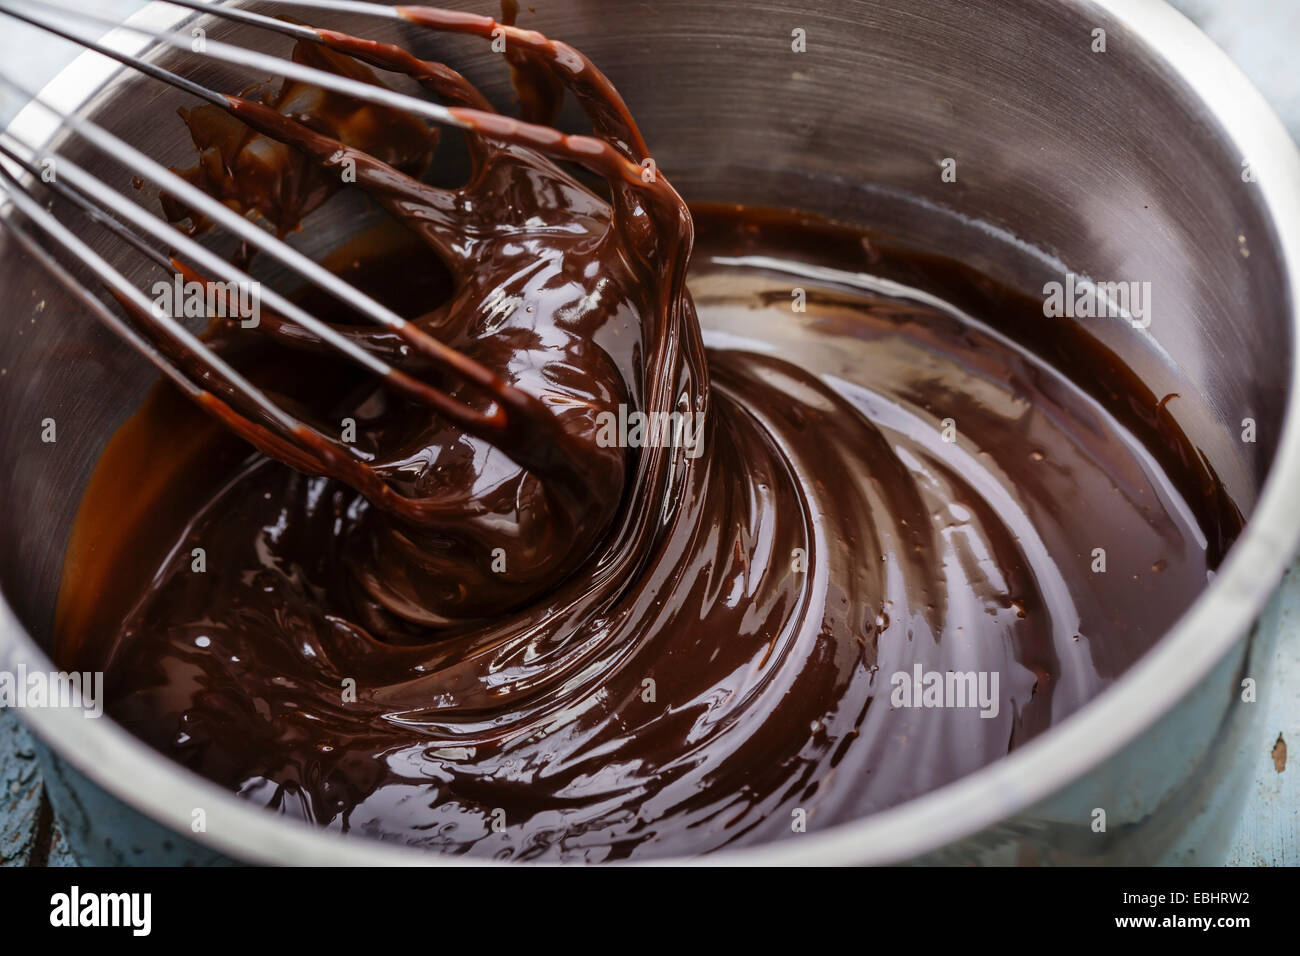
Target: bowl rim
x,y
114,760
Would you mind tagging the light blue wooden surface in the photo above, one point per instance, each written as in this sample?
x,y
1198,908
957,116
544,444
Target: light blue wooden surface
x,y
1268,831
1263,36
28,833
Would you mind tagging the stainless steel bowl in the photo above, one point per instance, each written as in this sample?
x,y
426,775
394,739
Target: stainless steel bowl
x,y
1127,163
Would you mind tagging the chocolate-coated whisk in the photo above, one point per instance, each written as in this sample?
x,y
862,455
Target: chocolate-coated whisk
x,y
515,421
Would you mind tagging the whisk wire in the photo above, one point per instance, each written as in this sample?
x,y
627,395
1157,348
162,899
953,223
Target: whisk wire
x,y
513,418
142,165
127,292
227,53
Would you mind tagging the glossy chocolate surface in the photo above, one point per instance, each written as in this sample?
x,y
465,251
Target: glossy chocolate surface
x,y
578,650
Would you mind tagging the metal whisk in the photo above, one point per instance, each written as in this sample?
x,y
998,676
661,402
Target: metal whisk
x,y
514,420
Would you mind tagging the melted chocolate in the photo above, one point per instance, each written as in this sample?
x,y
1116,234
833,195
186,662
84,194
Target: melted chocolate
x,y
567,650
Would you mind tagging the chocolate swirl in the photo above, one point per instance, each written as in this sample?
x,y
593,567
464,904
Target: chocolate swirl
x,y
685,645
